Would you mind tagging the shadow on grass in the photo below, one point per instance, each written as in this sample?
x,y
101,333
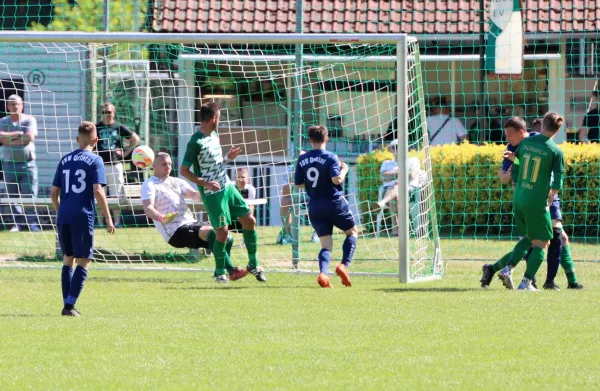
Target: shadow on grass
x,y
427,289
27,316
209,287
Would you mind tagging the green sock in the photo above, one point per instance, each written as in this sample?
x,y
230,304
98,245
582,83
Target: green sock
x,y
251,242
519,252
501,263
228,245
568,265
219,253
534,262
212,238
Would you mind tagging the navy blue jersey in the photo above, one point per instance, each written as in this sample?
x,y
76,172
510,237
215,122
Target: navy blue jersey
x,y
76,175
314,170
507,164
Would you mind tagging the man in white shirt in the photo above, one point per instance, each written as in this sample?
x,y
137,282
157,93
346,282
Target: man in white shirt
x,y
442,128
248,192
163,198
389,176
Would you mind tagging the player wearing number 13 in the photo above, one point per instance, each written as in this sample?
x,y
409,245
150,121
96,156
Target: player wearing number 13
x,y
539,175
320,173
79,178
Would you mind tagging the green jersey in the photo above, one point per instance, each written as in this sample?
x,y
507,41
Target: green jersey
x,y
540,166
205,156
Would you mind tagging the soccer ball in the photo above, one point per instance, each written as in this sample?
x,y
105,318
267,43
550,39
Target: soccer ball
x,y
142,157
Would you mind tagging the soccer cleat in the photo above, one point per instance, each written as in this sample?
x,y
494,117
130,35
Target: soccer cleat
x,y
506,276
314,238
238,274
574,285
15,228
526,285
551,286
257,272
222,279
342,271
287,239
488,274
324,281
534,283
70,312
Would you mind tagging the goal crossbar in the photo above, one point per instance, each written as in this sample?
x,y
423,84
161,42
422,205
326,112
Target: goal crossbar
x,y
132,37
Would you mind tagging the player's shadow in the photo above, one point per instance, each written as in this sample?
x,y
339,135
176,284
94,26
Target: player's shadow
x,y
26,316
427,289
192,288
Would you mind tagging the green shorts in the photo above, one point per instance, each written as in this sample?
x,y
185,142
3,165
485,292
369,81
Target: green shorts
x,y
533,223
225,206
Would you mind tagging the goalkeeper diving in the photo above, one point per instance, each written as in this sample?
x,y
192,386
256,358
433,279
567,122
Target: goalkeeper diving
x,y
163,198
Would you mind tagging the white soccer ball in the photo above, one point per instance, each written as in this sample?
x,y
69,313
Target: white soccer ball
x,y
142,157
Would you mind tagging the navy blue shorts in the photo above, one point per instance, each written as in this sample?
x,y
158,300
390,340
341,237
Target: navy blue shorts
x,y
555,209
324,215
76,240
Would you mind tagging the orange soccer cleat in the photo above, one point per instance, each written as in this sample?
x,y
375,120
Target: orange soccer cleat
x,y
323,281
342,271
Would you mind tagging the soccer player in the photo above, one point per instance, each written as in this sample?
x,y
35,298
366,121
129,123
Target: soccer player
x,y
558,251
163,198
79,178
539,179
319,172
222,200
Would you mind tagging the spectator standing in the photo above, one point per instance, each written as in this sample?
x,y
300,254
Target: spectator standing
x,y
248,192
590,128
17,134
442,128
115,143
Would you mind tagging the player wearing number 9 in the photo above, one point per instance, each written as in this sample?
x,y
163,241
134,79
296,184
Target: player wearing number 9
x,y
321,174
79,178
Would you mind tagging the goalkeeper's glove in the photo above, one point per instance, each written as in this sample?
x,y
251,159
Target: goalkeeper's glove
x,y
166,219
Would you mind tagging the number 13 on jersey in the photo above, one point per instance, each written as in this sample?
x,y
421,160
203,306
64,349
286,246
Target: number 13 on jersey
x,y
79,177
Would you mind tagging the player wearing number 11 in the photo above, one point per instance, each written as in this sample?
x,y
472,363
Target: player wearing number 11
x,y
79,178
320,173
539,175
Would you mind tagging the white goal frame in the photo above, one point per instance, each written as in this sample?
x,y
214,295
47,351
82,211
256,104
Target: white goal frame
x,y
400,40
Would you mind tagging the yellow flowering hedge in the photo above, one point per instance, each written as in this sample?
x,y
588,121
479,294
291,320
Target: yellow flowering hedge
x,y
471,200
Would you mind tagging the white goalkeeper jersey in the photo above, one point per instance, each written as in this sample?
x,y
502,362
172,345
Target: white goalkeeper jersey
x,y
168,196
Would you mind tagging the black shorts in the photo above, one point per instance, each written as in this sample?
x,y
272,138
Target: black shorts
x,y
187,236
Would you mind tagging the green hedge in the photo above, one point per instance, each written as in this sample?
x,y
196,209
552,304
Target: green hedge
x,y
471,200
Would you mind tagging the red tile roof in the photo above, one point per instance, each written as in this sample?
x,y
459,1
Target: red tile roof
x,y
364,16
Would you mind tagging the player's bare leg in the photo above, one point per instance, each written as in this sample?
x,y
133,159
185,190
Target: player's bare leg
x,y
251,240
324,258
387,197
349,247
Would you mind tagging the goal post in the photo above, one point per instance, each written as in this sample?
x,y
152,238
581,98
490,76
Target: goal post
x,y
354,84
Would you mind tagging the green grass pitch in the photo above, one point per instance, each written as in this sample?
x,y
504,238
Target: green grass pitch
x,y
176,330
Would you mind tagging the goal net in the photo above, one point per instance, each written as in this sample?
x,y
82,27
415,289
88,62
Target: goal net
x,y
367,91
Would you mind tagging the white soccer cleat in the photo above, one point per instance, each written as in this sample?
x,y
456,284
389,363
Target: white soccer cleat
x,y
222,279
526,285
505,276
